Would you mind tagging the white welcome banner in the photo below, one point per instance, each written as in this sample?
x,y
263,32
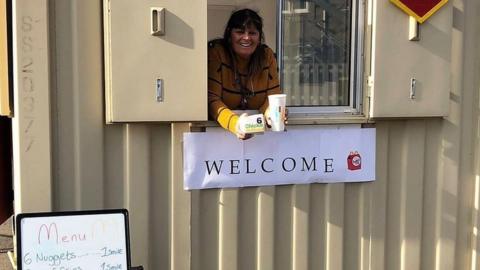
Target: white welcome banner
x,y
220,160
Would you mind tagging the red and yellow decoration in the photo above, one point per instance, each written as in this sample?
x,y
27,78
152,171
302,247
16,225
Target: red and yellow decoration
x,y
421,10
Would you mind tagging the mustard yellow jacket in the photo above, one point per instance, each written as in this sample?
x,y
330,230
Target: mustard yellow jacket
x,y
225,89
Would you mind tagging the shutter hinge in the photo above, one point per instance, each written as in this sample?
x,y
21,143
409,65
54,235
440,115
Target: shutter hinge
x,y
369,85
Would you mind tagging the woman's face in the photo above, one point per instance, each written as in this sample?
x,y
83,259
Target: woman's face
x,y
244,42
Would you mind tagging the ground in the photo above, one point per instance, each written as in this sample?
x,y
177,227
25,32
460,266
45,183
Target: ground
x,y
6,243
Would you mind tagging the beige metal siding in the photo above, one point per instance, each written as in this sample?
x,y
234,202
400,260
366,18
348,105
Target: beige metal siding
x,y
31,134
420,213
405,222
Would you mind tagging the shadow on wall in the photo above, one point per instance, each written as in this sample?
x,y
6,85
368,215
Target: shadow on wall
x,y
6,192
178,31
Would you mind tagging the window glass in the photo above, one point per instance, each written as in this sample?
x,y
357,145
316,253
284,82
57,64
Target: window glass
x,y
316,52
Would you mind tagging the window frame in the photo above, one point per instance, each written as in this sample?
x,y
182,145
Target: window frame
x,y
356,82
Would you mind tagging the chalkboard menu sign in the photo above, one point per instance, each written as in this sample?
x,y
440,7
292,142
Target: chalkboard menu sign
x,y
81,240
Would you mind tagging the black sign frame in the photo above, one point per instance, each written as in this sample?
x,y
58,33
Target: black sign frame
x,y
22,216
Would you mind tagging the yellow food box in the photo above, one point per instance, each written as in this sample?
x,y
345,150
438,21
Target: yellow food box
x,y
252,124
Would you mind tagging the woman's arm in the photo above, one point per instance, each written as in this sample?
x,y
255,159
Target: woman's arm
x,y
217,108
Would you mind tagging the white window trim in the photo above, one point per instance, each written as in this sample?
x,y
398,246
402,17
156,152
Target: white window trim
x,y
356,69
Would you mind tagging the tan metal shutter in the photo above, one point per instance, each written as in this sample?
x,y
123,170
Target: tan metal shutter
x,y
396,61
138,63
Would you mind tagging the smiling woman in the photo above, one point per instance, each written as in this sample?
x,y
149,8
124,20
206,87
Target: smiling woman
x,y
245,41
242,71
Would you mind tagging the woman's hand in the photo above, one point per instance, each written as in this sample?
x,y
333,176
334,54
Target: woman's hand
x,y
268,119
239,133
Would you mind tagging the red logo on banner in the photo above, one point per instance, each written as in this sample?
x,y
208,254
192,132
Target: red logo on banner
x,y
420,9
354,161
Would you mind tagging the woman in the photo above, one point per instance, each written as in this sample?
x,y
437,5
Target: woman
x,y
242,72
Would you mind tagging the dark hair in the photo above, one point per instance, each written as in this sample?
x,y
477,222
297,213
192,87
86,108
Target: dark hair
x,y
242,19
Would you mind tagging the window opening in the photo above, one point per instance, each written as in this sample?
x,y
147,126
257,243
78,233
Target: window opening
x,y
318,49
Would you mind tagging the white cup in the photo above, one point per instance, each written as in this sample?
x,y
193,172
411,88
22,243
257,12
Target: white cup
x,y
277,111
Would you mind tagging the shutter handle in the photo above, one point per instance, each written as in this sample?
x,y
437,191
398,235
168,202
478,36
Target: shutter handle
x,y
413,87
157,16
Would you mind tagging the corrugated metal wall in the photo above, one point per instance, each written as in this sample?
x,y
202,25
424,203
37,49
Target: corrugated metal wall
x,y
420,213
